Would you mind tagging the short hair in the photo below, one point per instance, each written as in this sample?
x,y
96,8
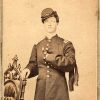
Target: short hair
x,y
47,13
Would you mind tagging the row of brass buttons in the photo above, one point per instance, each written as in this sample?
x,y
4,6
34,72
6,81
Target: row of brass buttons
x,y
49,40
48,71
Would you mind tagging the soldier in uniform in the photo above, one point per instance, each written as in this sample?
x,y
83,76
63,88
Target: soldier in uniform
x,y
50,59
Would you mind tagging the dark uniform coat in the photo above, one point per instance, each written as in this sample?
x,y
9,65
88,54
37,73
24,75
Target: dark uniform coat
x,y
51,82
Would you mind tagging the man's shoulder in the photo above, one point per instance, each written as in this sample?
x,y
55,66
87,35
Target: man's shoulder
x,y
63,40
67,42
41,41
58,38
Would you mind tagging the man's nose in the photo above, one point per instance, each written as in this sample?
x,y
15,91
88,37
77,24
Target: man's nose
x,y
49,24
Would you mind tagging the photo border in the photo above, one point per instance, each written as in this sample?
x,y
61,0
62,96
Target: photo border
x,y
98,50
1,50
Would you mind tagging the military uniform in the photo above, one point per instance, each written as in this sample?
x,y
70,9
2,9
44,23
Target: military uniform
x,y
51,82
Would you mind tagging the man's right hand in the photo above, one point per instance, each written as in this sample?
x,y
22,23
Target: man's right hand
x,y
25,73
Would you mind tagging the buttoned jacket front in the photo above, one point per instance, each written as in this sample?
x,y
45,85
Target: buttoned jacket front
x,y
51,82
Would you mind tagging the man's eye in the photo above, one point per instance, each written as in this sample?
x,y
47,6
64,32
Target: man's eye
x,y
52,21
46,21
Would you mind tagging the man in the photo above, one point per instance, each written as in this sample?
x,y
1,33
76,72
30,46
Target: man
x,y
50,59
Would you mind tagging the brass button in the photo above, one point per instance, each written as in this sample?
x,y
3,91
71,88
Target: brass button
x,y
48,67
46,48
45,62
42,48
47,45
48,76
45,53
48,71
44,57
49,40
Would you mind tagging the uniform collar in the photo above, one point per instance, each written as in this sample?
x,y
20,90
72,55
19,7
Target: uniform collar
x,y
46,37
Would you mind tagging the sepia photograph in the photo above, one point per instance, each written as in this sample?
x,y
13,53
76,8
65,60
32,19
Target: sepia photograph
x,y
49,50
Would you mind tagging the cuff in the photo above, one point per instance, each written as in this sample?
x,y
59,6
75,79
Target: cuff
x,y
51,57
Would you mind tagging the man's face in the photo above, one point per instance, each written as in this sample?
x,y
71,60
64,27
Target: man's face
x,y
50,25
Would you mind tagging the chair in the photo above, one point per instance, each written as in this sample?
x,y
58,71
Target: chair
x,y
14,86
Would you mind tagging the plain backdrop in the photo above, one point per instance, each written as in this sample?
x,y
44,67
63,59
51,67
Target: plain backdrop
x,y
78,23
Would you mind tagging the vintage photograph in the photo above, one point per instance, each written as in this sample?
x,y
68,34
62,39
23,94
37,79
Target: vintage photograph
x,y
49,50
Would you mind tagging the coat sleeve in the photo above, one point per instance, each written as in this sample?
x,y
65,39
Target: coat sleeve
x,y
66,63
73,78
63,62
32,65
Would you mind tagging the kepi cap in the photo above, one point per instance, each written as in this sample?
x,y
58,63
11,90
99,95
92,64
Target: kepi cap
x,y
47,12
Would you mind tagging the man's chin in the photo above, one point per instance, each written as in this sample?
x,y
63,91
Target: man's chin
x,y
51,32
